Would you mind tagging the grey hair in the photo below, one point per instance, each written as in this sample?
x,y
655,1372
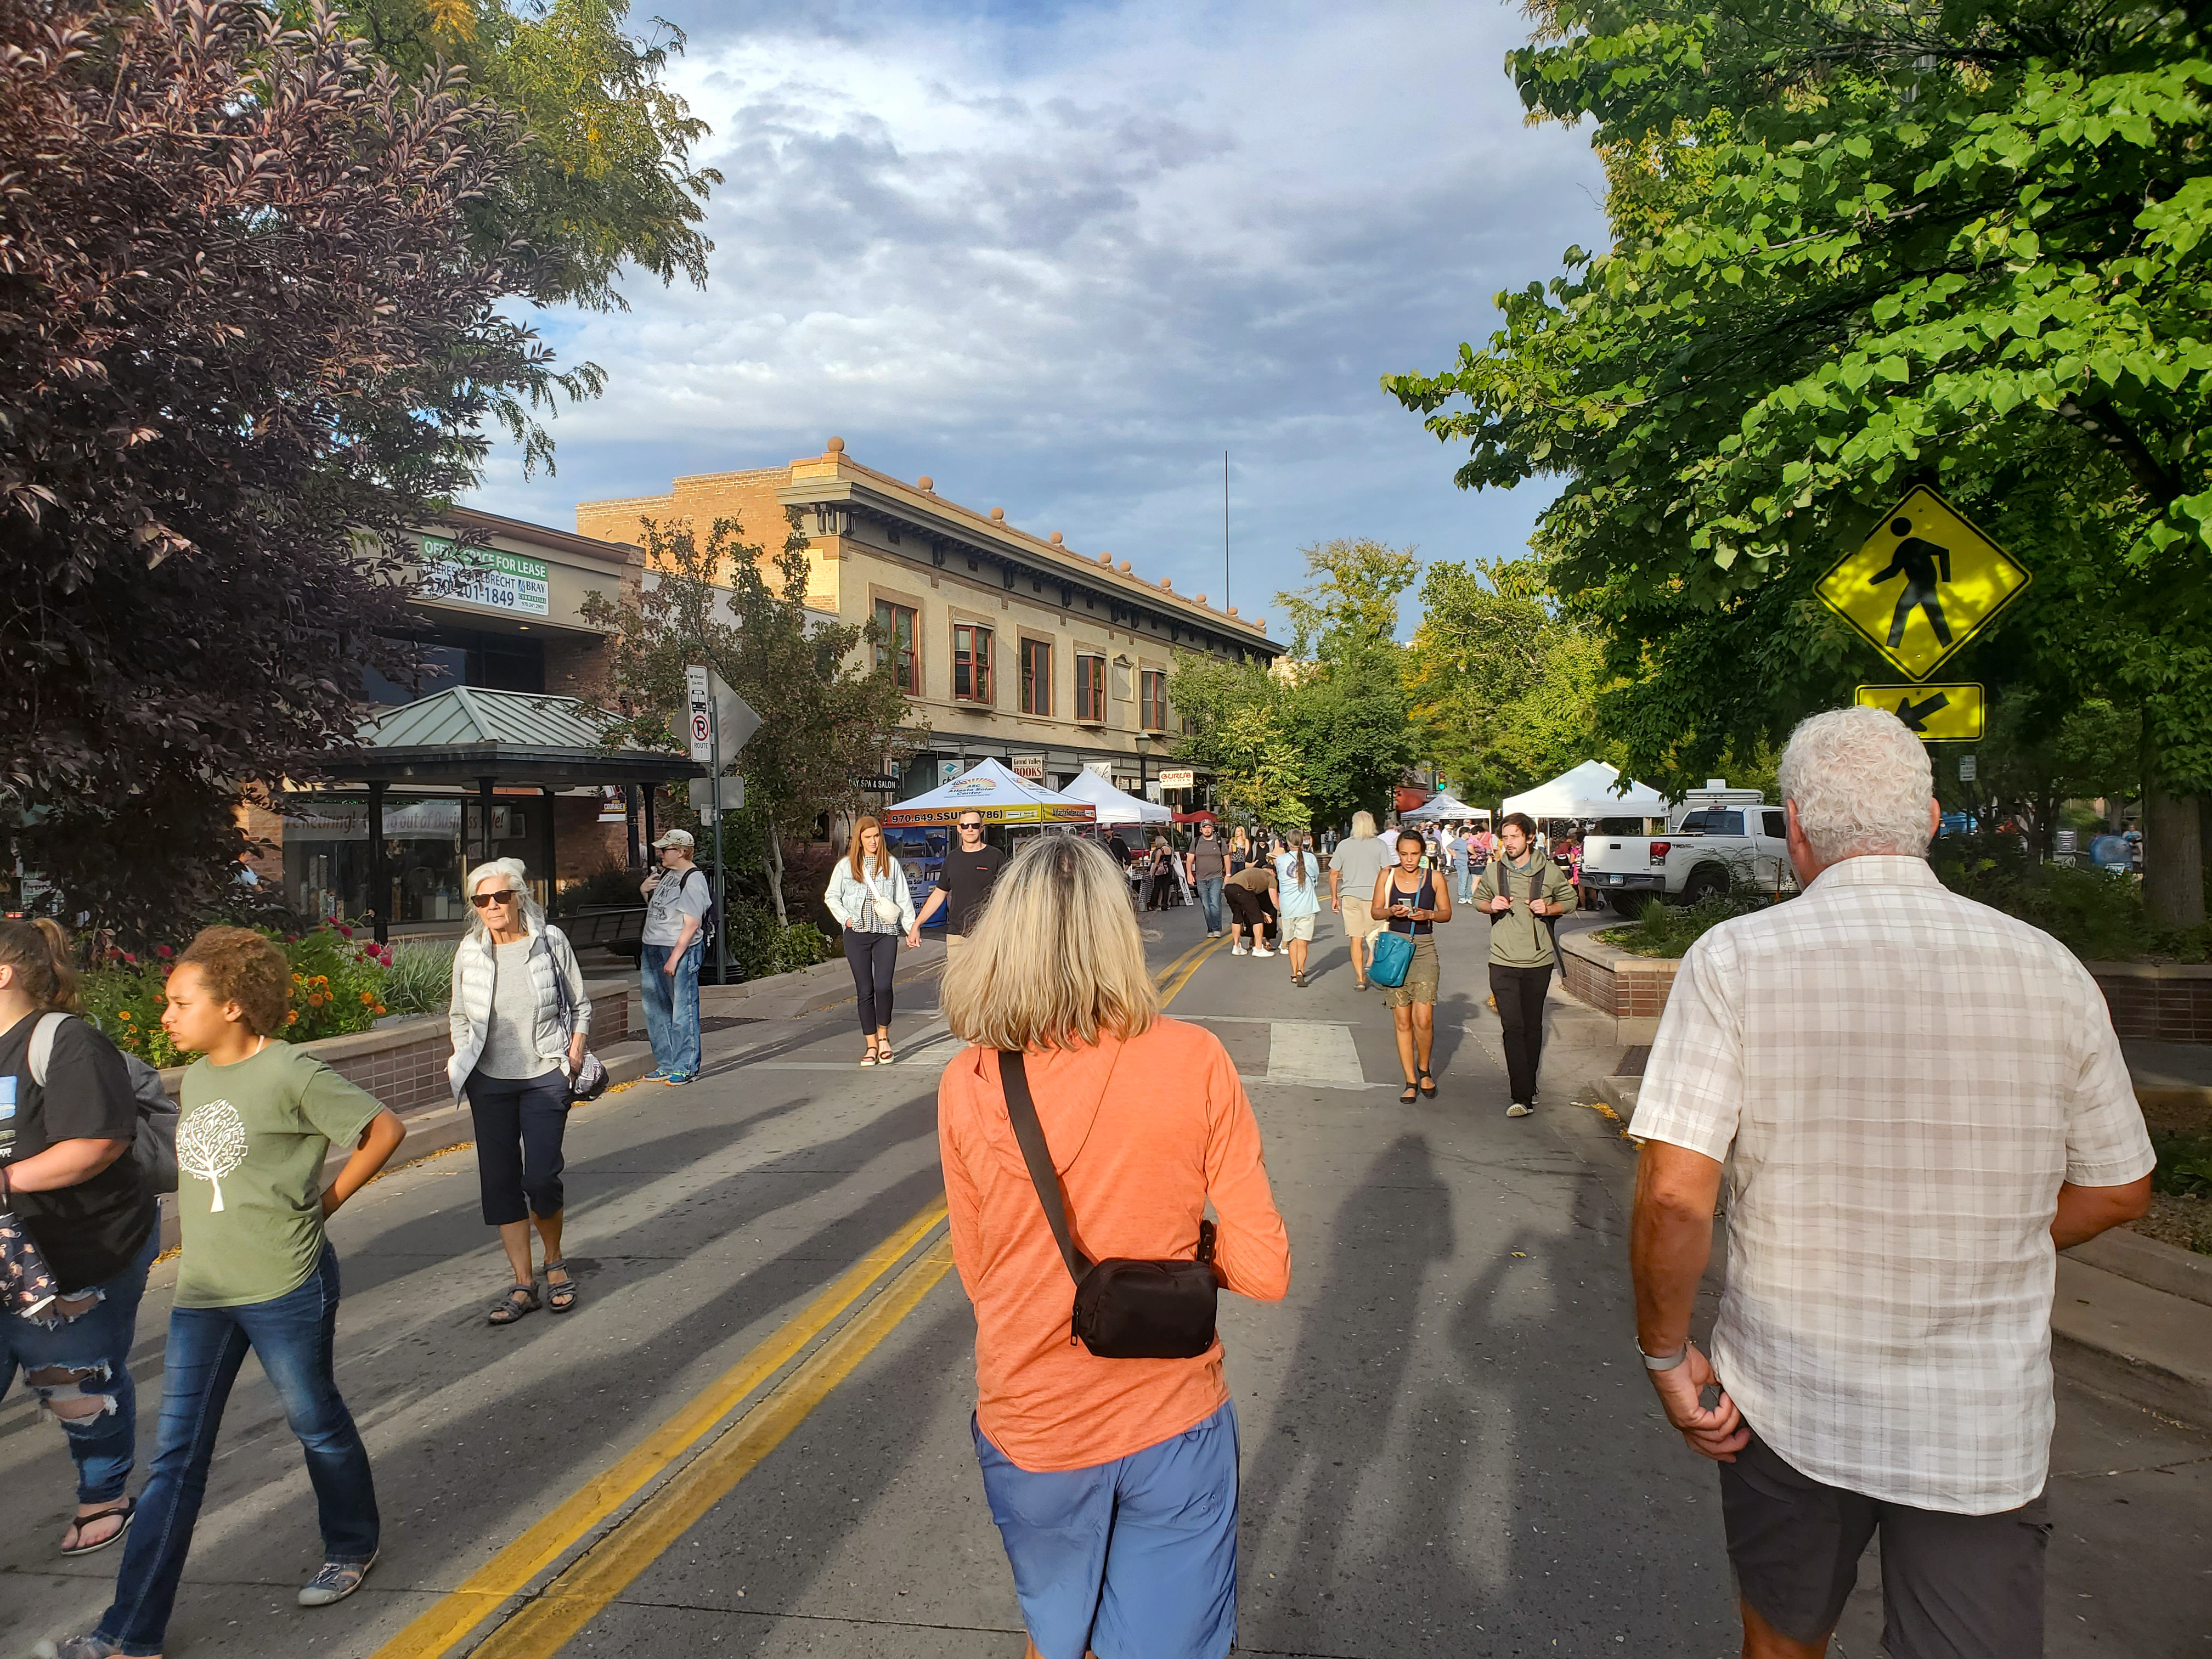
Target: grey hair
x,y
533,913
1363,823
1861,783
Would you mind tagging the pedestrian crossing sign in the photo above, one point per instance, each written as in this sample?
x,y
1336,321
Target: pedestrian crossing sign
x,y
1934,714
1924,583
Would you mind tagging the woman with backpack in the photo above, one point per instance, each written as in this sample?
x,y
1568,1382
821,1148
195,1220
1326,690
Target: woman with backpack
x,y
69,1115
520,1024
1110,1464
869,896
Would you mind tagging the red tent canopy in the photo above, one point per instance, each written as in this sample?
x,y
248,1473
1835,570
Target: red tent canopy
x,y
1200,816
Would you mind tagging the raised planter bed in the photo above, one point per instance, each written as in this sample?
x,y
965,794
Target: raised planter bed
x,y
2168,1002
1630,989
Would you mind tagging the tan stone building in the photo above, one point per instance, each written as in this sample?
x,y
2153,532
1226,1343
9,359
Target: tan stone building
x,y
1011,645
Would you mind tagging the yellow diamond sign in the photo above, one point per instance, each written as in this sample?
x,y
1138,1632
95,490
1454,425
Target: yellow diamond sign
x,y
1935,714
1925,582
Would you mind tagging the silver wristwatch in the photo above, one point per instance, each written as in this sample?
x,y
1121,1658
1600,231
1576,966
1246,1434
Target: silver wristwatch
x,y
1667,1362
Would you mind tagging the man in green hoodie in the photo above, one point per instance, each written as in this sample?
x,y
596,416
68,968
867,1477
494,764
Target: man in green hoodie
x,y
1520,891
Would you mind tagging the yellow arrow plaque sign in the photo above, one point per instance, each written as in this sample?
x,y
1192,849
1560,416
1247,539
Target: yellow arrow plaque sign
x,y
1937,714
1925,582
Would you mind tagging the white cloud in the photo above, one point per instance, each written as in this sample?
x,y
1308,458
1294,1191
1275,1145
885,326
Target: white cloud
x,y
1060,263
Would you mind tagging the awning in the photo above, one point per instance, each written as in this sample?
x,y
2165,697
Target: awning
x,y
466,733
992,793
1115,805
1590,791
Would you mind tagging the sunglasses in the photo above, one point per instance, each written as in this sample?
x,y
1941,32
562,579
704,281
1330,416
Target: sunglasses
x,y
485,901
977,827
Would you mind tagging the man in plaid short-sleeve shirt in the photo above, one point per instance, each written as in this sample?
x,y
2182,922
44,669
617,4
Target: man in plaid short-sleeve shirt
x,y
1916,1102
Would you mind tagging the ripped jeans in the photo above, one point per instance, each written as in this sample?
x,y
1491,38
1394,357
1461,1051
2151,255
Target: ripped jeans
x,y
64,1361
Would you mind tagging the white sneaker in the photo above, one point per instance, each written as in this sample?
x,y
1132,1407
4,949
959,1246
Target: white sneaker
x,y
1238,950
1517,1109
1262,951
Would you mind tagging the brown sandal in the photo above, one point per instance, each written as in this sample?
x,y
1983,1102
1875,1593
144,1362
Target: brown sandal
x,y
127,1509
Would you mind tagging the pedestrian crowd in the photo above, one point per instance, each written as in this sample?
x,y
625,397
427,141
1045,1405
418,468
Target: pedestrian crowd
x,y
1879,1367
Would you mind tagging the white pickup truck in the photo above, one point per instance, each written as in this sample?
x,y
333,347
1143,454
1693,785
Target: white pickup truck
x,y
1719,840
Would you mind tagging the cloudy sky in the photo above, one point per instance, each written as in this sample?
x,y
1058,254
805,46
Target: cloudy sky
x,y
1059,257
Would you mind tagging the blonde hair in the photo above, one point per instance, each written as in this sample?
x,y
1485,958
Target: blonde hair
x,y
1057,958
1363,823
882,860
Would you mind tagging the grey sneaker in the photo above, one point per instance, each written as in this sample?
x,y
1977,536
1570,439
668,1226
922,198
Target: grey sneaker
x,y
77,1647
1520,1108
337,1581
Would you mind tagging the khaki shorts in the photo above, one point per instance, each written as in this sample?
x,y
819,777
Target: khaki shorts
x,y
1298,926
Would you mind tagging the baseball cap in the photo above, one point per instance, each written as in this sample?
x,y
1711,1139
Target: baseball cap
x,y
675,838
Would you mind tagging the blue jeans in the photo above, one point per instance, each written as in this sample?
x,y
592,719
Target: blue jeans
x,y
672,1006
1466,893
96,1348
1209,899
291,1335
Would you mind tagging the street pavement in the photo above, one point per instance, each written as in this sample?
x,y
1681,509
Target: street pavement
x,y
752,1437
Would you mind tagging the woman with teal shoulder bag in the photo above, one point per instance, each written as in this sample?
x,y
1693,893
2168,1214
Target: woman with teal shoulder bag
x,y
1412,901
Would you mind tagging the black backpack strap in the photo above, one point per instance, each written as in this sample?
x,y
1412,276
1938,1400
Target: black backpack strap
x,y
1013,1079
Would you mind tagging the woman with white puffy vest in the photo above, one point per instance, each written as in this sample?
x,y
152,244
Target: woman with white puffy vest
x,y
515,1047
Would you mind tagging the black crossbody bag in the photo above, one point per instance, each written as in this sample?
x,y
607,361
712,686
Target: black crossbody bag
x,y
1124,1308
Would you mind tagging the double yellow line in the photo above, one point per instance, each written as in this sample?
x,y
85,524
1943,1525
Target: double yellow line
x,y
545,1624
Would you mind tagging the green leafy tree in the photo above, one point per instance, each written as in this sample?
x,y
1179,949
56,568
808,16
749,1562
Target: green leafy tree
x,y
1504,688
1857,246
1345,702
606,177
826,716
1235,716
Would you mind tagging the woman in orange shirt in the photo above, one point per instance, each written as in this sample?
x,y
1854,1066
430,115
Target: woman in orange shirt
x,y
1113,1481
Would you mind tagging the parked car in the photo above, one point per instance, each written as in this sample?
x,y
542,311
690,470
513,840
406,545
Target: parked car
x,y
1718,840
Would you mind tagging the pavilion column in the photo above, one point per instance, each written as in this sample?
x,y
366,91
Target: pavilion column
x,y
630,823
549,849
484,788
652,833
379,874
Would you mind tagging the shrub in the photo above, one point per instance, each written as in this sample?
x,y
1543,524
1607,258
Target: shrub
x,y
338,987
2184,1163
2096,914
1669,930
419,978
761,946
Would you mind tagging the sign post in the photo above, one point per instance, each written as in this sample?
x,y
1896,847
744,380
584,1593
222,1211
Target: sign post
x,y
716,717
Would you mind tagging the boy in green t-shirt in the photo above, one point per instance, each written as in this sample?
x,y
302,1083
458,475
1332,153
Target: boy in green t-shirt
x,y
257,1121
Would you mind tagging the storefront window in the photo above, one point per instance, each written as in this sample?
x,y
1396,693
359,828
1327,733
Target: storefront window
x,y
326,854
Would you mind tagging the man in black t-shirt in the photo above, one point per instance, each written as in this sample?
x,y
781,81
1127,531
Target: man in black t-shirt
x,y
964,882
82,1195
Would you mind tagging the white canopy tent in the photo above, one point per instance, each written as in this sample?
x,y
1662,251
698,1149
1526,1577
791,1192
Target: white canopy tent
x,y
1590,791
1115,805
1443,807
994,795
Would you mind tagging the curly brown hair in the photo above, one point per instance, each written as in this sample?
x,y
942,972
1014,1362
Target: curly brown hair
x,y
241,966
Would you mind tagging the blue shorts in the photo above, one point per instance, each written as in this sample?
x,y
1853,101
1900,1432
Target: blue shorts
x,y
1133,1559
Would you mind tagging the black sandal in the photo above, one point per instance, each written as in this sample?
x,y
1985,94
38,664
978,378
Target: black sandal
x,y
561,1296
1412,1093
1428,1085
522,1299
126,1509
